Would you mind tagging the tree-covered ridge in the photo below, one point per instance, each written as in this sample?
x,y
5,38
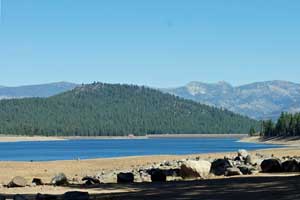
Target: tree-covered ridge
x,y
286,126
114,109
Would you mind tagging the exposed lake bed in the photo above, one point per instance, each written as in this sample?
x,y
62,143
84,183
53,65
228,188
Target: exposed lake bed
x,y
76,169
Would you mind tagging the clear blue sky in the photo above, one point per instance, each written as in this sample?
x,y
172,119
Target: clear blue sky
x,y
158,43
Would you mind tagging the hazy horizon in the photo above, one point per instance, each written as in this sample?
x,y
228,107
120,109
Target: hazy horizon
x,y
63,81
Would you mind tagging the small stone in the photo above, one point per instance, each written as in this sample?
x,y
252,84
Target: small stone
x,y
90,180
37,181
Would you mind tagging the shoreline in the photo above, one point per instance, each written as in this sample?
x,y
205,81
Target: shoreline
x,y
6,138
16,138
286,141
76,169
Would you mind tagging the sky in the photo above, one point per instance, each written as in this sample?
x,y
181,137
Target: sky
x,y
159,43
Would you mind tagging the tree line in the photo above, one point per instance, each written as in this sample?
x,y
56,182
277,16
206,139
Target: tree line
x,y
115,110
286,126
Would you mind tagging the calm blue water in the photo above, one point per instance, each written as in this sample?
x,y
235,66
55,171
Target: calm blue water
x,y
86,149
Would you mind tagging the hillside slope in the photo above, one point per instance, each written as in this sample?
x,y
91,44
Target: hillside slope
x,y
107,109
263,100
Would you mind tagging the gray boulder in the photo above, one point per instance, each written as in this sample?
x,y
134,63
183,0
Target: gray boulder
x,y
248,160
271,165
195,169
17,181
233,171
243,153
290,166
125,177
219,166
60,179
76,196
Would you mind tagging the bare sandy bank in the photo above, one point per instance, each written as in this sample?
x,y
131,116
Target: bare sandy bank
x,y
7,138
28,139
75,170
290,141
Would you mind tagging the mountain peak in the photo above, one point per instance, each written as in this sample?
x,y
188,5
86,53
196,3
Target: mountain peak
x,y
224,83
260,100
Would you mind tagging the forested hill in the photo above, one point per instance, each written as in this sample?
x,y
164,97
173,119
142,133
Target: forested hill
x,y
114,109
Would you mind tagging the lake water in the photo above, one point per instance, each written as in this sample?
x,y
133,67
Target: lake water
x,y
87,149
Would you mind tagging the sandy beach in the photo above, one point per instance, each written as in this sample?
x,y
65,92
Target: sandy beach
x,y
28,139
288,141
76,169
7,138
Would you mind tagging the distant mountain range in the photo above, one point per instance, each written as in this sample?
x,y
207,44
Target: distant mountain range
x,y
114,109
262,100
42,90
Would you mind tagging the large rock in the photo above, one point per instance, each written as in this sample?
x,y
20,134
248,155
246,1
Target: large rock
x,y
18,181
290,166
219,166
60,179
125,177
76,196
271,165
233,171
195,169
157,175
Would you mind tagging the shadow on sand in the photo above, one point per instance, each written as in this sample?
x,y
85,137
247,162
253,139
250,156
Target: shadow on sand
x,y
244,188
